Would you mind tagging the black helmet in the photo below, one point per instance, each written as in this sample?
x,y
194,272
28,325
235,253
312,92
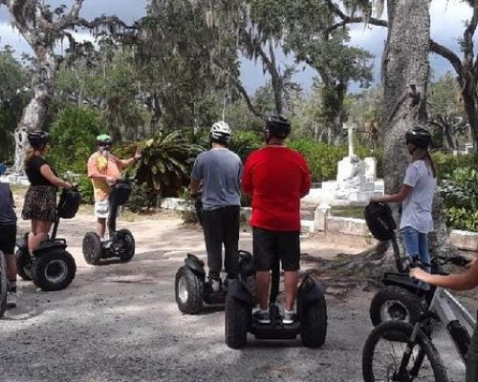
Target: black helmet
x,y
38,139
278,126
421,138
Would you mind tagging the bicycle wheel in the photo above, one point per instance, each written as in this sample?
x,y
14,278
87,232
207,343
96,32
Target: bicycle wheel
x,y
3,284
384,358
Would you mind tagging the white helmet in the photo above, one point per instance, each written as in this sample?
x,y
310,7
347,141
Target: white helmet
x,y
221,132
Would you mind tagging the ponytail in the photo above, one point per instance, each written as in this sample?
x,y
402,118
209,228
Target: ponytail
x,y
29,155
432,164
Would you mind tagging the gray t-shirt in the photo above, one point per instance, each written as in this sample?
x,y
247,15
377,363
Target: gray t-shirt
x,y
220,171
7,214
417,207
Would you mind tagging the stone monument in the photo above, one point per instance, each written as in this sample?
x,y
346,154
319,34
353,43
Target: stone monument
x,y
356,179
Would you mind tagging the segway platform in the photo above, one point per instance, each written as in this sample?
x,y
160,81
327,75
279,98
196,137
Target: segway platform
x,y
310,324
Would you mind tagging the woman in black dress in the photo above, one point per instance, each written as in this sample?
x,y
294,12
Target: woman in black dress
x,y
40,200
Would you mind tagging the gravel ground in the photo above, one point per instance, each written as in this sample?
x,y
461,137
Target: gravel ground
x,y
120,322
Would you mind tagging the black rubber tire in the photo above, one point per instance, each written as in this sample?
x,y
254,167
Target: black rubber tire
x,y
44,263
407,305
24,265
237,319
195,289
91,247
313,328
401,331
3,284
129,241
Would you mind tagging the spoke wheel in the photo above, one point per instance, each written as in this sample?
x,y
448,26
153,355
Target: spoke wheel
x,y
384,351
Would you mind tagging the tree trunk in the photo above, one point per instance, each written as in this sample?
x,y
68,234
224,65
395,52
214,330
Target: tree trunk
x,y
470,100
340,91
276,81
406,69
34,115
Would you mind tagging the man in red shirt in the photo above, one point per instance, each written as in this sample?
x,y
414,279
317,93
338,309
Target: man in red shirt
x,y
276,178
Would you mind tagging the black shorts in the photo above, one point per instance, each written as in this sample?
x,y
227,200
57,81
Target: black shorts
x,y
268,244
8,237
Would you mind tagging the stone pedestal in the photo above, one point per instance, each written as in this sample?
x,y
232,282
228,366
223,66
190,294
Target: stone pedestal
x,y
320,217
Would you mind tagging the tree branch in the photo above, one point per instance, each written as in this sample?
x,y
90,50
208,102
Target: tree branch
x,y
68,20
346,19
450,56
468,36
237,83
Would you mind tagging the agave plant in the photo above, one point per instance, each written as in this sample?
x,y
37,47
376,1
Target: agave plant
x,y
165,165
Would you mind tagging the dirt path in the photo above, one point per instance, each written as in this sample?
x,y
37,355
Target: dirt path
x,y
120,322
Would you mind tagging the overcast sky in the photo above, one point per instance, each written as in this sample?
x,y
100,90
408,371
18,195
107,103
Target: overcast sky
x,y
447,18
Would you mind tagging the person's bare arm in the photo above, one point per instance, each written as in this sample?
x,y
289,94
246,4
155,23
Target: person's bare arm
x,y
394,198
47,173
463,281
137,155
194,185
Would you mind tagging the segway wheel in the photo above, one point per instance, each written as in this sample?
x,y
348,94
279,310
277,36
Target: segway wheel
x,y
54,270
92,248
393,303
189,290
3,284
314,324
128,245
237,318
24,265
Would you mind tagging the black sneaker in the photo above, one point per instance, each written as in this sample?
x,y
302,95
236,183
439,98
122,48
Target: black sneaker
x,y
261,316
11,300
227,281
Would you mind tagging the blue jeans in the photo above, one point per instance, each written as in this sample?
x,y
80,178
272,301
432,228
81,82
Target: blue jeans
x,y
416,246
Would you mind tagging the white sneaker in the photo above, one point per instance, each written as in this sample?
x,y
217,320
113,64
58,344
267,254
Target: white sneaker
x,y
289,317
11,300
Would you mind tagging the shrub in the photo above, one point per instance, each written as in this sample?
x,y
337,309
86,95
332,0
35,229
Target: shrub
x,y
139,198
447,163
73,139
460,193
165,165
244,142
86,190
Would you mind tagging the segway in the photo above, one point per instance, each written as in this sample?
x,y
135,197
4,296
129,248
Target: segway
x,y
402,298
311,323
192,289
121,243
52,267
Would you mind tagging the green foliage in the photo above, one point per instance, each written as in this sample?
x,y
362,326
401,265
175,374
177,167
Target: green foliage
x,y
460,193
139,198
447,163
74,139
244,142
165,165
86,190
13,98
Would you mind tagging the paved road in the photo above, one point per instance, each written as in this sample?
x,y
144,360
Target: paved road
x,y
120,322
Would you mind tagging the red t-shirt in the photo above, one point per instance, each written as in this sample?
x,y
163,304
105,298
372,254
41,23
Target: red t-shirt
x,y
277,178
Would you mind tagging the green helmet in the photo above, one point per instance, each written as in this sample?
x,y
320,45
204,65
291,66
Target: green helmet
x,y
104,140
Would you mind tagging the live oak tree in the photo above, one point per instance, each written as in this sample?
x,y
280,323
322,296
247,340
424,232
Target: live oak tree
x,y
405,79
466,68
43,28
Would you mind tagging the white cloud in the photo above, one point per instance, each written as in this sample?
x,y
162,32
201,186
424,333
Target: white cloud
x,y
10,36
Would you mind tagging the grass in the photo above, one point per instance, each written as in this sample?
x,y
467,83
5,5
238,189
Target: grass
x,y
348,212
